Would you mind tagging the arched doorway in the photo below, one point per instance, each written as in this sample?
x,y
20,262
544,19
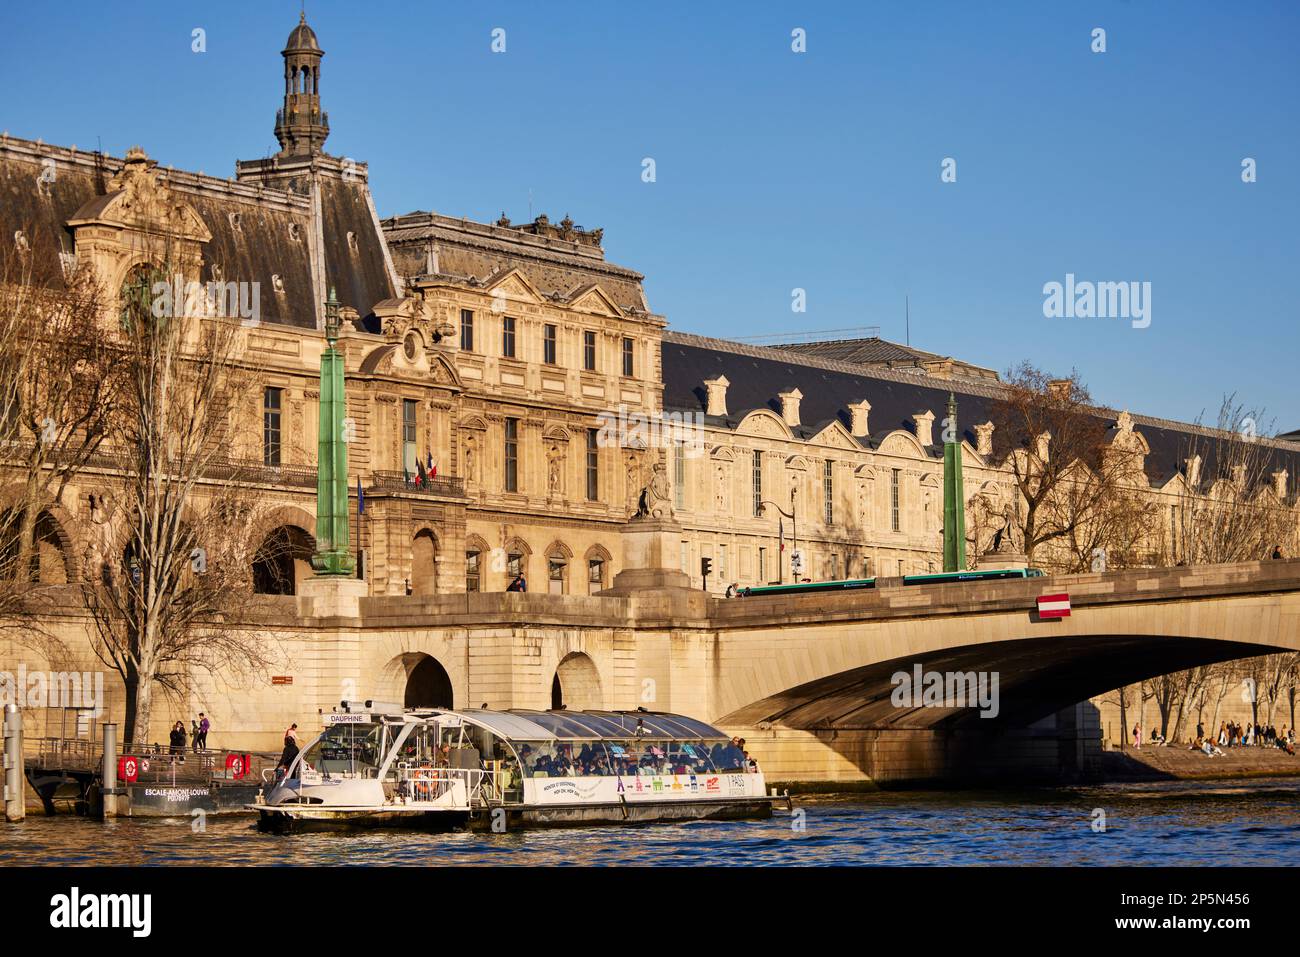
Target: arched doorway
x,y
282,560
424,563
47,561
427,684
576,684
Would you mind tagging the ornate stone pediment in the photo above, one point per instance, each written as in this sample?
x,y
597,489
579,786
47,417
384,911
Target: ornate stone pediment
x,y
139,199
837,437
900,443
763,423
591,298
514,285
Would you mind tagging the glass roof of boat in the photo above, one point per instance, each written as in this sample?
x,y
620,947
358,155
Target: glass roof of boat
x,y
523,725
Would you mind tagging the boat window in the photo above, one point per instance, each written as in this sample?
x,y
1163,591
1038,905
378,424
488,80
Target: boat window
x,y
726,756
349,750
418,748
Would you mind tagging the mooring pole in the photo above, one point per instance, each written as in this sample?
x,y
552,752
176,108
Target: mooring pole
x,y
15,806
109,787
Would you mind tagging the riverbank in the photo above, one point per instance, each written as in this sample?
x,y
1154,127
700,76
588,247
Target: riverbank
x,y
1183,764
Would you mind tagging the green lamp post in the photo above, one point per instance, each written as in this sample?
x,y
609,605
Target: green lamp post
x,y
954,496
333,557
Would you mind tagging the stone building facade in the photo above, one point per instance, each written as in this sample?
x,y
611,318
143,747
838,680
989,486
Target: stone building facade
x,y
485,363
492,357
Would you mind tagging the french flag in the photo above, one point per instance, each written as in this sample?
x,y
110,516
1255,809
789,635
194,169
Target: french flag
x,y
1054,606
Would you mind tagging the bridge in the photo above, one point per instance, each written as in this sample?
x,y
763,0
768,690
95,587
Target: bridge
x,y
809,679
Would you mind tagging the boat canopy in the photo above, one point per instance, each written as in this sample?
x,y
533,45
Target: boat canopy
x,y
523,725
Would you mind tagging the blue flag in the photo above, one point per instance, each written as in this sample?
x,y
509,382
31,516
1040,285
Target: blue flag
x,y
361,498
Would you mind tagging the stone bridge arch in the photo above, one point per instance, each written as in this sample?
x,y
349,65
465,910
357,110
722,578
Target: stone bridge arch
x,y
838,676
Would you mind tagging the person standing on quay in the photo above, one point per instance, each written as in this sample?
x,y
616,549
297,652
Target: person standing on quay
x,y
201,740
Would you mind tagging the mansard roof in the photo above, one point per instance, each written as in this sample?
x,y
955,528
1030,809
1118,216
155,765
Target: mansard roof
x,y
259,233
431,245
758,373
874,351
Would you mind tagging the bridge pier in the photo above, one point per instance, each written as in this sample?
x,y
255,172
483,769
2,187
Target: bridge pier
x,y
1063,747
15,806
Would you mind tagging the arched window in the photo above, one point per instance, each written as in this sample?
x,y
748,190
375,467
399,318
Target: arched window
x,y
476,553
597,569
424,563
557,568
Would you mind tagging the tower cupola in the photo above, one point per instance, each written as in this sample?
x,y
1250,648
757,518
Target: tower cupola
x,y
300,125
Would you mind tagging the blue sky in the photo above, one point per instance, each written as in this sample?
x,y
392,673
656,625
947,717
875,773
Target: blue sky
x,y
778,170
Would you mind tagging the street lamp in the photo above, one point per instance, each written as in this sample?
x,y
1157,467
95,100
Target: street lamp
x,y
332,319
794,529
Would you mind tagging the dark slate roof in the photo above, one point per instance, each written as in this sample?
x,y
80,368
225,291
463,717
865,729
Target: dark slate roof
x,y
258,249
41,213
359,276
869,350
756,374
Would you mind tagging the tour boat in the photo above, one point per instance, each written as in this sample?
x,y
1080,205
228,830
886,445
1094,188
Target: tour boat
x,y
377,764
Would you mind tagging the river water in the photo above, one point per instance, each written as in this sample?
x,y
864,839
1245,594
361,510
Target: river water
x,y
1169,823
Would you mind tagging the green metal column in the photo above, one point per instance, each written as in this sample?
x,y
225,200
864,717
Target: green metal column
x,y
954,495
333,556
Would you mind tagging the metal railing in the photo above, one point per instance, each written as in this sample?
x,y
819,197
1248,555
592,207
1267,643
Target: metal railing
x,y
156,765
432,485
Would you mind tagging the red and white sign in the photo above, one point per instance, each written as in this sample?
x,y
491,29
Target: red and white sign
x,y
1053,606
127,769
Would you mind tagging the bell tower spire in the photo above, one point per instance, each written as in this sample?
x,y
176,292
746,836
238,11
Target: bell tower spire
x,y
300,125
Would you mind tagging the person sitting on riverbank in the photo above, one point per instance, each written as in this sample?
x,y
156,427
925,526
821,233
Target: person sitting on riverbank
x,y
1211,751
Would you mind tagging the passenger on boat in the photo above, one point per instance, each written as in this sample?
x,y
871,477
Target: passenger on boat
x,y
290,748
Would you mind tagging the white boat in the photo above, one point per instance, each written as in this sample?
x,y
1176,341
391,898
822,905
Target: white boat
x,y
377,764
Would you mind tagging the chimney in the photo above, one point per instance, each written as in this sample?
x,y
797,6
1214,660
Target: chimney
x,y
790,406
717,388
924,427
1279,484
859,412
1060,389
984,439
1194,471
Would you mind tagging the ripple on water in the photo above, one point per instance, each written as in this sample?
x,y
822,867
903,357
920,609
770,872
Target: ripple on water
x,y
1151,824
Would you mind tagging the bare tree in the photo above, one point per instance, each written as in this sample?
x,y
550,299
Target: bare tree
x,y
60,386
1229,509
175,588
1063,469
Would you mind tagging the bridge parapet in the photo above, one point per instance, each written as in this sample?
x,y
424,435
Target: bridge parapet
x,y
1119,587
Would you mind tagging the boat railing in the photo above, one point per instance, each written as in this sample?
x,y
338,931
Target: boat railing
x,y
482,787
429,784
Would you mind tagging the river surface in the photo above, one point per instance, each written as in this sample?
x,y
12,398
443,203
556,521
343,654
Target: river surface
x,y
1169,823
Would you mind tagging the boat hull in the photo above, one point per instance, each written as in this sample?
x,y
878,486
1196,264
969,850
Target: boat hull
x,y
296,818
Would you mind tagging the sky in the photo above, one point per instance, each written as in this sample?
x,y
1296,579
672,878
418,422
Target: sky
x,y
776,170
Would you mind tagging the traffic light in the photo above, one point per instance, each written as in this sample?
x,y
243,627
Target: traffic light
x,y
706,566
